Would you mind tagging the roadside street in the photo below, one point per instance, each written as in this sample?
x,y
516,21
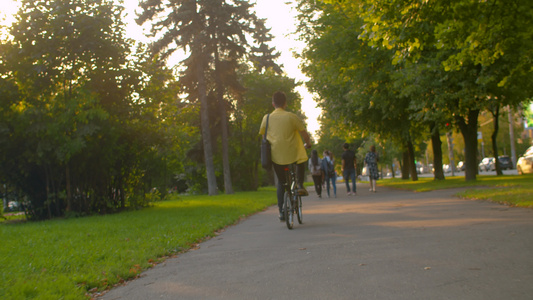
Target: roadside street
x,y
386,245
462,173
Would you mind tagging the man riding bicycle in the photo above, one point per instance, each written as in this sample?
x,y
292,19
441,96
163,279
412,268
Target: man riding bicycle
x,y
285,133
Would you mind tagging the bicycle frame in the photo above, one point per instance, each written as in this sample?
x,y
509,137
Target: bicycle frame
x,y
290,179
292,200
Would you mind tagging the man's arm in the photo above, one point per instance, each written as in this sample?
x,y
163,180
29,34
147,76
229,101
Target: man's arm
x,y
343,164
306,138
263,126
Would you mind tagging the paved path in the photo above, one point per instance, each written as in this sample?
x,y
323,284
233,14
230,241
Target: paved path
x,y
388,245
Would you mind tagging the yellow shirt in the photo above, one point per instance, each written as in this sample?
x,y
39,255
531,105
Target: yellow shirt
x,y
284,135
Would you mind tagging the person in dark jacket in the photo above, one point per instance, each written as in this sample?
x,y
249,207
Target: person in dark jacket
x,y
328,165
315,166
348,168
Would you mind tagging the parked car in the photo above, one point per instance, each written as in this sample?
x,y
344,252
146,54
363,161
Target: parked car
x,y
525,162
13,206
461,166
486,164
422,169
505,162
419,168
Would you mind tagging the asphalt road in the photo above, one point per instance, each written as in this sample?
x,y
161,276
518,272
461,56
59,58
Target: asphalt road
x,y
385,245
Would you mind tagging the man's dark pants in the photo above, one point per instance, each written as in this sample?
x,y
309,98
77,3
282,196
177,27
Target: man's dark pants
x,y
349,174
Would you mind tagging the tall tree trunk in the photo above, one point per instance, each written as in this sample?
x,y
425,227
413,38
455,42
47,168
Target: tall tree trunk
x,y
412,165
511,134
496,118
405,165
436,143
228,187
48,201
469,132
201,63
68,187
206,133
5,197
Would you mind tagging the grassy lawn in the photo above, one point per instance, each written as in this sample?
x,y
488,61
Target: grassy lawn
x,y
72,258
509,190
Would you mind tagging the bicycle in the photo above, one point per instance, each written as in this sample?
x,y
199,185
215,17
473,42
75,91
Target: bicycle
x,y
292,201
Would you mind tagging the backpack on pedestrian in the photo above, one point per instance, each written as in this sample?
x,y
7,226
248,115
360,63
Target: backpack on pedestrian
x,y
330,170
316,170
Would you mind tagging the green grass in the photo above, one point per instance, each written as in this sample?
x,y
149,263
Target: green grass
x,y
72,258
509,190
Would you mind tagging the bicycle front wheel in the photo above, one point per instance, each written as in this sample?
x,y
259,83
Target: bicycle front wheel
x,y
288,210
299,209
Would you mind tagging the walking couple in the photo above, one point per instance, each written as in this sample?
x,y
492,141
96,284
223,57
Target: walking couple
x,y
323,172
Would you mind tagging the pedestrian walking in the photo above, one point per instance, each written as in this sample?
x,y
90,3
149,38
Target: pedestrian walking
x,y
328,165
371,160
348,168
315,167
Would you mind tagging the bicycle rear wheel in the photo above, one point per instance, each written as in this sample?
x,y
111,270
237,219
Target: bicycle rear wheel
x,y
288,210
299,209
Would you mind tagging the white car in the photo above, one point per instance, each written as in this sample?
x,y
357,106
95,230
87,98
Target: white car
x,y
486,164
525,162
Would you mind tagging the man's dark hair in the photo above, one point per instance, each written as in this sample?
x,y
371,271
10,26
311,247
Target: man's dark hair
x,y
346,146
279,99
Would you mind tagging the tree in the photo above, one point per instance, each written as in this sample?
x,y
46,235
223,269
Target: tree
x,y
214,33
155,111
480,45
63,64
354,80
76,110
